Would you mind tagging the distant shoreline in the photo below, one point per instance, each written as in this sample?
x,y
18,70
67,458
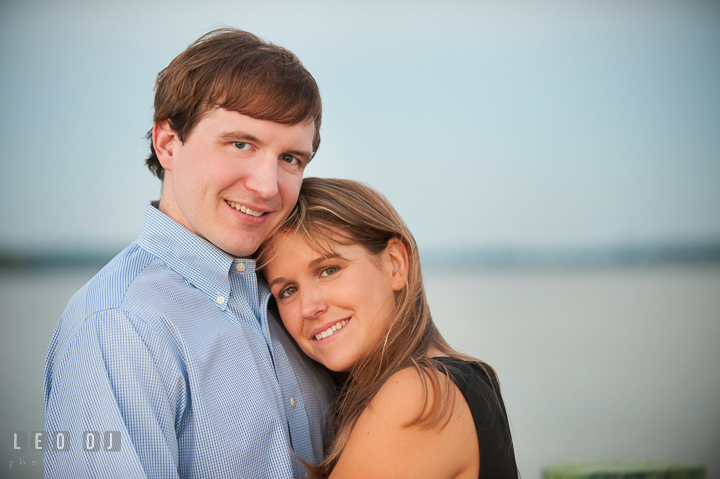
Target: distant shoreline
x,y
589,257
14,260
441,259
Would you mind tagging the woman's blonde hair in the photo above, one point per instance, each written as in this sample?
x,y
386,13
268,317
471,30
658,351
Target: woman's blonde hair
x,y
331,211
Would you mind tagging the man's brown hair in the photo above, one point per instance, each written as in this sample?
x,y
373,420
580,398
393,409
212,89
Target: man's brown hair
x,y
232,69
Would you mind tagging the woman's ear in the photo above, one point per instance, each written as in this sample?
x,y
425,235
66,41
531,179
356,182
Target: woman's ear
x,y
164,140
397,256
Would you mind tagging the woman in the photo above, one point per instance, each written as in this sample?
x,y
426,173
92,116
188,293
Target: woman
x,y
345,272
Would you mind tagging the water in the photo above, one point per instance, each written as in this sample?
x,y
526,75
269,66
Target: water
x,y
615,363
30,304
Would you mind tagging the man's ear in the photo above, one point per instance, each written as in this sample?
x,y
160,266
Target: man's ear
x,y
165,140
397,256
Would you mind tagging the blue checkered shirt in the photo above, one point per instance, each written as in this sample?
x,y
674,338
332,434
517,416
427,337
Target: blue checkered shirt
x,y
172,345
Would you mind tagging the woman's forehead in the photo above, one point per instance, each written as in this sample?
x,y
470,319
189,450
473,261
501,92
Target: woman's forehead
x,y
323,241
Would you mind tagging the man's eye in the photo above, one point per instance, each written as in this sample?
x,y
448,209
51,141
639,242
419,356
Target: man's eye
x,y
329,271
241,145
290,159
287,292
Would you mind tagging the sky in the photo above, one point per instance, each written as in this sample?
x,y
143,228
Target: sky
x,y
487,124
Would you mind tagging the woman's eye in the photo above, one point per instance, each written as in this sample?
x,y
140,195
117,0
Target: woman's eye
x,y
290,159
241,145
287,292
329,271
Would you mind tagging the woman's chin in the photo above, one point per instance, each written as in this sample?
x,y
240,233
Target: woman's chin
x,y
339,369
335,365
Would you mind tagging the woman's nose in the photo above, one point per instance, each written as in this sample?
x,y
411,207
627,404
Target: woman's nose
x,y
312,304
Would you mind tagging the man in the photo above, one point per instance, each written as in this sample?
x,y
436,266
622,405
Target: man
x,y
168,362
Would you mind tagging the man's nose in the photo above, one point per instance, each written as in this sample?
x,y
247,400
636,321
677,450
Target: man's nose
x,y
263,178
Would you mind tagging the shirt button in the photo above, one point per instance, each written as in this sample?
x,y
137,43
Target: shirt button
x,y
220,300
240,267
292,402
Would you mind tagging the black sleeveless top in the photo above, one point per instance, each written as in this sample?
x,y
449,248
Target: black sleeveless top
x,y
497,456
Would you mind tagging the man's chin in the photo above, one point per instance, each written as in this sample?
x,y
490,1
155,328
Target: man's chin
x,y
244,250
240,253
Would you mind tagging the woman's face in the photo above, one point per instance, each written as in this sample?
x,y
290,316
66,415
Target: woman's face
x,y
336,307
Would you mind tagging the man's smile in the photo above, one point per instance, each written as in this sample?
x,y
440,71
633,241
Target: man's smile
x,y
244,209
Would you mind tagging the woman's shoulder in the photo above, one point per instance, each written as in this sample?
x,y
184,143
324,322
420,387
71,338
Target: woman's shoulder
x,y
466,368
388,432
404,394
473,377
479,385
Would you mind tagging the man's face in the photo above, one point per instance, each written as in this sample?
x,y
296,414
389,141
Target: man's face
x,y
235,179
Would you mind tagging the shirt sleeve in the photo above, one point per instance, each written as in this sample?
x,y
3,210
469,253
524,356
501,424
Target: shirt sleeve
x,y
117,379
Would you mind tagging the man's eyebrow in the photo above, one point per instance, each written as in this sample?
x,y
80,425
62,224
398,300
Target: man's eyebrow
x,y
302,155
237,135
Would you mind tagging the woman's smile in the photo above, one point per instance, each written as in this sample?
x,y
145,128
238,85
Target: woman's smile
x,y
331,330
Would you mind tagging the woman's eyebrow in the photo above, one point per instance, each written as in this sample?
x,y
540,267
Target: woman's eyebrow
x,y
323,258
276,281
312,263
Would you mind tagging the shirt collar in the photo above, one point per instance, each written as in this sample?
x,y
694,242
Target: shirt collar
x,y
201,263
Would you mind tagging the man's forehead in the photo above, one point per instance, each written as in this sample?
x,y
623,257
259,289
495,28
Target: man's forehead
x,y
231,122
